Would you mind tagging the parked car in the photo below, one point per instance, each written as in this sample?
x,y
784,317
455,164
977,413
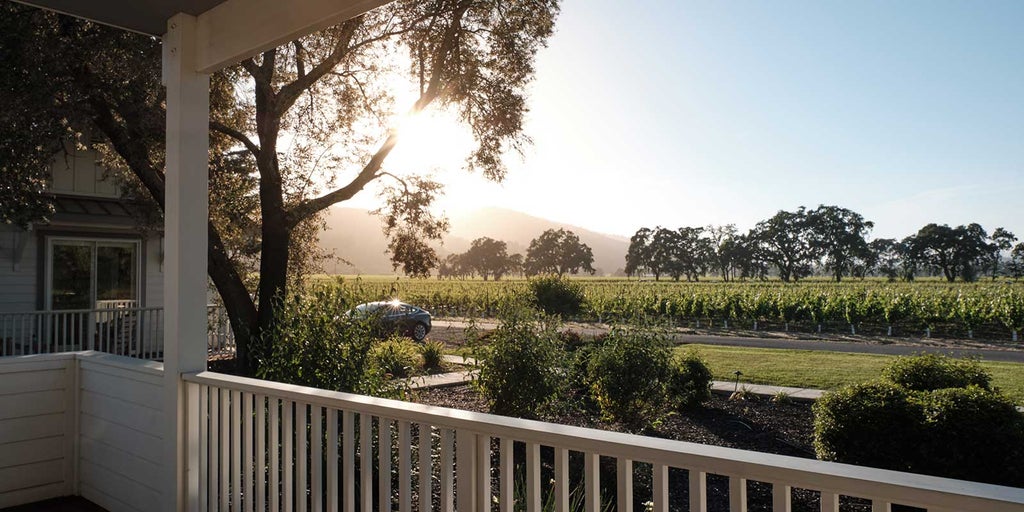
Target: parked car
x,y
395,316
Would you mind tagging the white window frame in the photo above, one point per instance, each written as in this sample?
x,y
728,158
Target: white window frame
x,y
95,243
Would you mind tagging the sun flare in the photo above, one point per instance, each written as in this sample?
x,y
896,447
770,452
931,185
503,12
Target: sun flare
x,y
429,141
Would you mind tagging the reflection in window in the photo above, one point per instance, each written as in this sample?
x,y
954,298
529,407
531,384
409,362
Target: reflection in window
x,y
115,272
72,287
90,274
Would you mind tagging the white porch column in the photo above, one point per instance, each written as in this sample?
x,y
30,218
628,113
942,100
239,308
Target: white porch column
x,y
185,221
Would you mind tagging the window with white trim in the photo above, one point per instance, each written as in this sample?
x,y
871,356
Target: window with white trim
x,y
90,273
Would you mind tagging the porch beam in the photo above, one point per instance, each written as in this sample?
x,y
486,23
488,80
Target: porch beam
x,y
185,221
238,29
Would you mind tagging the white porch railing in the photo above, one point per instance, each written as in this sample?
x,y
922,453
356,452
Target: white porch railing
x,y
86,423
120,329
268,446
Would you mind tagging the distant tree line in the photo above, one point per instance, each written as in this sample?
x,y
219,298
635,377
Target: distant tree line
x,y
555,251
827,240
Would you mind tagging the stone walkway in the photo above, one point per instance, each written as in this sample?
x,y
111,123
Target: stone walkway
x,y
443,380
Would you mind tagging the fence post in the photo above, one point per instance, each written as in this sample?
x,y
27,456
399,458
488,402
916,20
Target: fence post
x,y
90,341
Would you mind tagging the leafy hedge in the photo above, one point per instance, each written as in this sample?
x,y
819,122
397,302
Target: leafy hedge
x,y
874,424
689,384
520,367
315,343
928,372
931,416
557,296
628,375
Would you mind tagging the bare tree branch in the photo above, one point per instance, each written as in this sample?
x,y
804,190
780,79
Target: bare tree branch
x,y
300,64
291,91
237,135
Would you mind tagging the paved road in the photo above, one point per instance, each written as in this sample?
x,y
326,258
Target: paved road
x,y
1013,356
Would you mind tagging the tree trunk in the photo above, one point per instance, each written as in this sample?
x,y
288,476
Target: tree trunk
x,y
237,302
273,276
275,231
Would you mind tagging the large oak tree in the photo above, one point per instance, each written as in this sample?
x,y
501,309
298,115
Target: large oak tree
x,y
314,121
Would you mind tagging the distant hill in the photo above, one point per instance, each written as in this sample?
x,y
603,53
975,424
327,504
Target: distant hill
x,y
355,235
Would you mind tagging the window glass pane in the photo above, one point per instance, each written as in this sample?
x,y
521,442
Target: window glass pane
x,y
115,272
71,282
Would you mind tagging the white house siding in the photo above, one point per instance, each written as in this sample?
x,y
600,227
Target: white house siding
x,y
18,285
37,404
153,285
76,171
120,432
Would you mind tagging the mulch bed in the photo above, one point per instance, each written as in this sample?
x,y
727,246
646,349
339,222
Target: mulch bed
x,y
755,423
758,424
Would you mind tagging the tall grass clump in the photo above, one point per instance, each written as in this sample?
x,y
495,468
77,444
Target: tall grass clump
x,y
432,352
397,356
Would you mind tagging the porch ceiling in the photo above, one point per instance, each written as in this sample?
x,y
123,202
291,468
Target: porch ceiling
x,y
145,16
227,30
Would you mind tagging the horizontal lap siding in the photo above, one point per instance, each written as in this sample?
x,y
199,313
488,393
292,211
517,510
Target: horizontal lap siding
x,y
19,286
36,408
154,273
120,435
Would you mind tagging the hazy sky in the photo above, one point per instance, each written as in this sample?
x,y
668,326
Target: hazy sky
x,y
691,113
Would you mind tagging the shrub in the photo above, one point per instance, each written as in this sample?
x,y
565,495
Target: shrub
x,y
432,352
968,433
396,355
973,434
628,372
316,344
579,352
519,370
689,383
927,372
571,340
875,424
557,296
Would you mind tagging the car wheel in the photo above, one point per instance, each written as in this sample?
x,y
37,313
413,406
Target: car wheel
x,y
419,331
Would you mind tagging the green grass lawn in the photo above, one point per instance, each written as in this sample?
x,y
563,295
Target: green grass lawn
x,y
826,370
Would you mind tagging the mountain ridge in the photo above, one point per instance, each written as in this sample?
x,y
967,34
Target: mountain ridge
x,y
363,246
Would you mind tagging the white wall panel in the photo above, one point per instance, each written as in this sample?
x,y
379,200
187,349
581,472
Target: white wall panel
x,y
119,432
36,407
18,281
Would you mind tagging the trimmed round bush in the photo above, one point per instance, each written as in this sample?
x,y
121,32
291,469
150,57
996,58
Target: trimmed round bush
x,y
628,373
520,368
557,296
973,434
927,372
877,424
689,383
